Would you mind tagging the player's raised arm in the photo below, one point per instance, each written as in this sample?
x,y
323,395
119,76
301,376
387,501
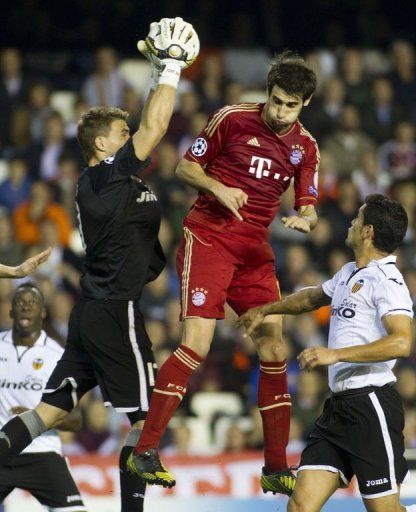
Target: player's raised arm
x,y
172,45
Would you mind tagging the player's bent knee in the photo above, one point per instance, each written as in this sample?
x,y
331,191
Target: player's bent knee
x,y
271,349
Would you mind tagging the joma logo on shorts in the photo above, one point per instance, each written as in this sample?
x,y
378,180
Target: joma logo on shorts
x,y
73,497
379,481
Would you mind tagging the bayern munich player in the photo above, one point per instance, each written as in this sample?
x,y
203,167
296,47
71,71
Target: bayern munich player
x,y
241,164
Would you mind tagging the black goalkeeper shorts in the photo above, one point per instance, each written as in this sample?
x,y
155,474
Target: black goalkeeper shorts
x,y
107,345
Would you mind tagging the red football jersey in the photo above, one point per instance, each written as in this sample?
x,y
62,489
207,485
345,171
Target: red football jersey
x,y
240,150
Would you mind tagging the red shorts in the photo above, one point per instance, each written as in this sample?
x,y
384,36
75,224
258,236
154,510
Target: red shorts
x,y
214,269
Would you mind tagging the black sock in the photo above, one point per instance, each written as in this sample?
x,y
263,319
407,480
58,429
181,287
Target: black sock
x,y
132,488
14,437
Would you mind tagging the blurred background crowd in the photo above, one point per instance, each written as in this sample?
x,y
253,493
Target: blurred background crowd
x,y
363,117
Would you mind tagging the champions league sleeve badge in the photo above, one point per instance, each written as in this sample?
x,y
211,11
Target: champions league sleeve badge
x,y
199,147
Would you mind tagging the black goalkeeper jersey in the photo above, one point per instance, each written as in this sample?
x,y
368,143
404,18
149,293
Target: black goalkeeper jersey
x,y
119,219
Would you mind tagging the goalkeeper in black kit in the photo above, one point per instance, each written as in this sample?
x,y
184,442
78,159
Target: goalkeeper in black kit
x,y
119,218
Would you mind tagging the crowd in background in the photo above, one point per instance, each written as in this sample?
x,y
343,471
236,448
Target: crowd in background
x,y
363,117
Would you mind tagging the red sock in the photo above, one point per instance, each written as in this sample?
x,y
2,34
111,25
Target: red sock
x,y
274,405
170,388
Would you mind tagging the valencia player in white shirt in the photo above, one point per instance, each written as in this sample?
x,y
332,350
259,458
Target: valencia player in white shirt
x,y
360,430
28,357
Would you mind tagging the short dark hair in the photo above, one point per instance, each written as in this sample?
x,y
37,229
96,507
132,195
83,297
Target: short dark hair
x,y
31,286
96,121
290,72
389,221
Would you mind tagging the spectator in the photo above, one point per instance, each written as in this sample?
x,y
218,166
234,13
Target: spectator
x,y
11,251
369,178
40,206
181,119
96,437
357,85
39,108
403,75
322,117
382,112
348,143
398,156
236,440
105,86
307,403
341,211
211,83
406,386
44,155
180,442
16,188
13,89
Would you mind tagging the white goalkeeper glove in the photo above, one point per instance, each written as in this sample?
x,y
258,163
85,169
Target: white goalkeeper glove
x,y
171,45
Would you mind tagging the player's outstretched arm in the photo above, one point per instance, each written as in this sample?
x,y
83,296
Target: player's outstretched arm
x,y
172,44
304,222
27,267
307,299
194,175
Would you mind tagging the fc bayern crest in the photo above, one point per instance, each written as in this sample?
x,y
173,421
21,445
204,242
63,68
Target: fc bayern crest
x,y
199,296
296,155
37,363
199,147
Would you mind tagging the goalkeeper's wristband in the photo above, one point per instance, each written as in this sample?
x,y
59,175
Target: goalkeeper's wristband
x,y
171,72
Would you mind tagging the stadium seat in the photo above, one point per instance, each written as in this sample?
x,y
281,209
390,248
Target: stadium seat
x,y
253,96
200,436
209,404
63,102
137,73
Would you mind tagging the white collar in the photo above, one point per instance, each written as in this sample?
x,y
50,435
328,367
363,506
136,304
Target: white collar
x,y
383,261
8,338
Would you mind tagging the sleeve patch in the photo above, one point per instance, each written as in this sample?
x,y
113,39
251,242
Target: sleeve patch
x,y
199,147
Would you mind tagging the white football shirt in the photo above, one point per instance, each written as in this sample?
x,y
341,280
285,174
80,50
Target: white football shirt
x,y
361,297
24,372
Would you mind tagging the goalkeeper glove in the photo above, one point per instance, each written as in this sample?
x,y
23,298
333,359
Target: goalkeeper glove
x,y
172,45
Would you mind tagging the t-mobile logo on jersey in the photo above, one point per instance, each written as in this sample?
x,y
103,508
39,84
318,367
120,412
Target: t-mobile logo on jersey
x,y
262,168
